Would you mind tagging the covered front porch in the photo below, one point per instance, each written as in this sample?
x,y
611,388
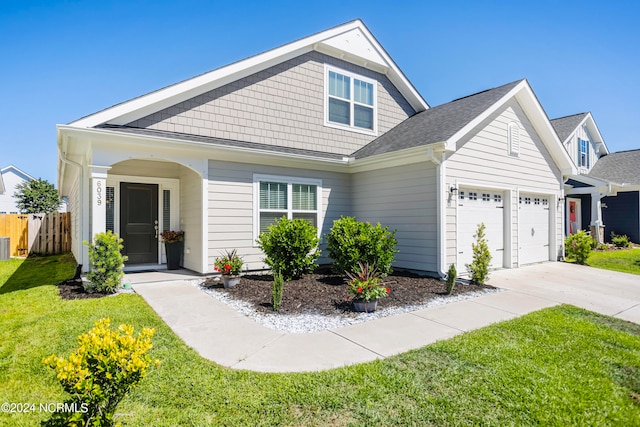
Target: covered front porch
x,y
584,205
138,199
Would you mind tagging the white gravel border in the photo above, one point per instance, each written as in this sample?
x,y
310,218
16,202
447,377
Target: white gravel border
x,y
309,322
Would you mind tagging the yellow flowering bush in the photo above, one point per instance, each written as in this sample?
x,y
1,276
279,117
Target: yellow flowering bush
x,y
100,372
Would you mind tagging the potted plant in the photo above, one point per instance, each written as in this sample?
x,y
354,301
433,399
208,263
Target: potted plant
x,y
173,245
230,266
365,288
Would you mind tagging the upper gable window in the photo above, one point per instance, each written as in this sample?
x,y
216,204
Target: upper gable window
x,y
350,101
583,152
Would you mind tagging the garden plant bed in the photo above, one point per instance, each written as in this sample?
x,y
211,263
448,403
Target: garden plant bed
x,y
325,293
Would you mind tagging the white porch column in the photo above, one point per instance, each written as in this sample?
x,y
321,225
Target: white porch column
x,y
98,198
596,214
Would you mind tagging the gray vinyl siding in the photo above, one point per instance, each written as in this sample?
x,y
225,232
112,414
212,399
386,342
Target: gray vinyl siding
x,y
404,199
191,206
282,106
231,210
482,159
572,148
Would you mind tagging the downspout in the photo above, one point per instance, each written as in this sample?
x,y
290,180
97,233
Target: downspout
x,y
441,222
80,196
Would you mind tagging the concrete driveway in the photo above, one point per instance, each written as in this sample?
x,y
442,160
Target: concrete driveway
x,y
603,291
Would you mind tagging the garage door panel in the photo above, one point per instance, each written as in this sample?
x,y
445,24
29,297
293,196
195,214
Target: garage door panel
x,y
534,228
477,206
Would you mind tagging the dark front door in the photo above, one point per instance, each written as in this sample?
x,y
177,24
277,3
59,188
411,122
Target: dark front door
x,y
139,222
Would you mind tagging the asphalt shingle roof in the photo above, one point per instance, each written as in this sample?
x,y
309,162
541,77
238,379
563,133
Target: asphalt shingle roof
x,y
436,124
622,167
565,125
221,142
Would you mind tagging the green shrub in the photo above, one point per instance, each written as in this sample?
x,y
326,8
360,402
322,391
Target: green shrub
x,y
106,263
479,267
578,246
619,241
276,290
291,247
452,275
351,241
100,372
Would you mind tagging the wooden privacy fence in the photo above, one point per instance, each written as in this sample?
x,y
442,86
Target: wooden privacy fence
x,y
37,233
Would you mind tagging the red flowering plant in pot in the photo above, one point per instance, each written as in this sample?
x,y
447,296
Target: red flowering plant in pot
x,y
366,287
230,266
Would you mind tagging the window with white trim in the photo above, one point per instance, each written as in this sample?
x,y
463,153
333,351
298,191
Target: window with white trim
x,y
276,197
583,152
350,100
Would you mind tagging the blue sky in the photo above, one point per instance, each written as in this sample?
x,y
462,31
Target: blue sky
x,y
62,60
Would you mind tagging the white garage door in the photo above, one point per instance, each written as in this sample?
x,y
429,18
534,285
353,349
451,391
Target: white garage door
x,y
476,206
533,235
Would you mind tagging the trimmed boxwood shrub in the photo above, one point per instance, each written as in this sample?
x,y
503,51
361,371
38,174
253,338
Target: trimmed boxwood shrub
x,y
290,247
351,241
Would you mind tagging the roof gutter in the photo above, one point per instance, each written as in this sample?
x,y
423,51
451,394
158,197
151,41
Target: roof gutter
x,y
79,215
438,159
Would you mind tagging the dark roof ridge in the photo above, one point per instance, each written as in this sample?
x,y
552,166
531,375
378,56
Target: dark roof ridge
x,y
571,115
482,91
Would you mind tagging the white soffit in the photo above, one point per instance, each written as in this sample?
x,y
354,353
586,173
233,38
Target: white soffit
x,y
357,43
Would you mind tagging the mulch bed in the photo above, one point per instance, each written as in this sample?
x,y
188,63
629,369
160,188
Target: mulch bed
x,y
325,293
72,289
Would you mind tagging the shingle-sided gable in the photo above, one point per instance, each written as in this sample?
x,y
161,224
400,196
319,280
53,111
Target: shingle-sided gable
x,y
621,168
436,124
281,106
565,126
351,41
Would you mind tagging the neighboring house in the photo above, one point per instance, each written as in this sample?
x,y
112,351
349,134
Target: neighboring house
x,y
10,177
621,207
603,197
322,127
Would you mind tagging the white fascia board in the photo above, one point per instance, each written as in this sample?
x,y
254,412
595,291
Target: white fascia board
x,y
17,171
148,104
523,93
538,118
451,142
593,130
423,153
219,152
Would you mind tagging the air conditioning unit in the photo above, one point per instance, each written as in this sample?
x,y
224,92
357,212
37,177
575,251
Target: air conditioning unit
x,y
5,248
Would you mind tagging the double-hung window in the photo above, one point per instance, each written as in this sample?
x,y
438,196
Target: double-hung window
x,y
277,196
350,101
583,152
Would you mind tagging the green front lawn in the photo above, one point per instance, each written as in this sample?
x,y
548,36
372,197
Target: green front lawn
x,y
624,260
559,366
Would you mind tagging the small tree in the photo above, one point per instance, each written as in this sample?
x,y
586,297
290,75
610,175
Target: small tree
x,y
479,267
106,263
37,196
452,275
290,246
276,290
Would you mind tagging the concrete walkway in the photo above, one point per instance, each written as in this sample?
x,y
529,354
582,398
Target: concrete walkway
x,y
231,339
